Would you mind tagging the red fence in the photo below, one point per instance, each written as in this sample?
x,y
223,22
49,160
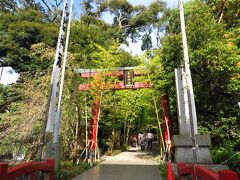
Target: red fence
x,y
27,170
201,172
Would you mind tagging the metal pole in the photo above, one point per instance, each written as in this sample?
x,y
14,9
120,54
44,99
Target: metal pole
x,y
189,87
57,124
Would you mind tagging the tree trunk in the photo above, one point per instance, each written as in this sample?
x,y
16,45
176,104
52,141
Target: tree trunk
x,y
124,133
159,124
112,141
127,135
77,136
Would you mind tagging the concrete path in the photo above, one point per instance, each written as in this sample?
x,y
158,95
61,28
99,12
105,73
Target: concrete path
x,y
131,165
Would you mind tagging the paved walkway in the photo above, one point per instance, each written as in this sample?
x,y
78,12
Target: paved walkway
x,y
131,165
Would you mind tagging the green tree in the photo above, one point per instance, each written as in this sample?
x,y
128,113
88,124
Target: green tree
x,y
18,33
225,11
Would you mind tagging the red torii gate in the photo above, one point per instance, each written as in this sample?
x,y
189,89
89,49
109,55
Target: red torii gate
x,y
127,74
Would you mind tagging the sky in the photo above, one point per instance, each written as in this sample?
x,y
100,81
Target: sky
x,y
9,76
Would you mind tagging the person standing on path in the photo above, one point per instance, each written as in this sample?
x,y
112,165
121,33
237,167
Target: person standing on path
x,y
150,138
140,138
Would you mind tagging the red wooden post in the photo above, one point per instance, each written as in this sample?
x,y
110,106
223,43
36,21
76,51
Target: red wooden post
x,y
167,122
3,170
32,175
94,122
51,163
185,170
179,166
227,174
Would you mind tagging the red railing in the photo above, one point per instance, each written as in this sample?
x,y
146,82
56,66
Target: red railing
x,y
201,172
184,170
27,170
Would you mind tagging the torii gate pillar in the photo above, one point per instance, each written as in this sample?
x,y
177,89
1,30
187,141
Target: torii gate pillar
x,y
94,123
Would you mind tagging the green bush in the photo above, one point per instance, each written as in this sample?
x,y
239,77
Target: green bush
x,y
68,170
163,167
222,154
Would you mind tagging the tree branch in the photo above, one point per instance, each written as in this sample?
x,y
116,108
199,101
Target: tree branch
x,y
54,17
10,5
221,11
126,26
58,3
45,3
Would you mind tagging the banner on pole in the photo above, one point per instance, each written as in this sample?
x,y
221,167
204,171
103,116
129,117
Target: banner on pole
x,y
57,70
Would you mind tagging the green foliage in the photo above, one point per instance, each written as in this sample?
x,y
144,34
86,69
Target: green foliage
x,y
123,110
225,11
163,168
227,154
20,127
19,32
7,96
8,5
68,170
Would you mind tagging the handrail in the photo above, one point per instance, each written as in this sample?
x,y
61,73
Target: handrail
x,y
202,172
205,173
27,169
185,169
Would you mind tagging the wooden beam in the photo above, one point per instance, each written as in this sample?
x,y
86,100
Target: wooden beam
x,y
117,86
112,73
